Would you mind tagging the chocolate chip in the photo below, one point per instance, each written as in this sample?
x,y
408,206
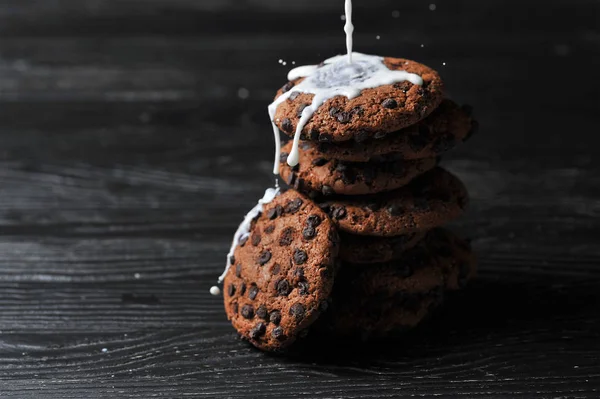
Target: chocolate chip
x,y
283,287
286,125
305,145
303,287
294,95
326,272
361,136
325,137
262,312
270,228
309,232
231,260
286,237
283,157
255,239
275,317
287,87
357,111
297,310
242,288
313,220
277,333
300,109
264,257
380,135
369,174
274,212
319,161
253,292
294,205
340,167
313,134
247,311
327,190
349,176
339,213
299,184
276,269
235,307
238,270
258,331
395,210
325,207
291,180
404,86
300,256
333,111
299,272
344,117
231,290
243,240
389,103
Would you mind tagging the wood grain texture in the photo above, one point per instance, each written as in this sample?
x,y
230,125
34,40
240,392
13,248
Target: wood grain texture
x,y
127,159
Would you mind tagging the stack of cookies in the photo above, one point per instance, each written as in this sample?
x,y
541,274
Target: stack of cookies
x,y
356,242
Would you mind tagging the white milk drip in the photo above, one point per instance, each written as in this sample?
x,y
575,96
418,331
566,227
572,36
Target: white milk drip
x,y
337,77
244,230
349,29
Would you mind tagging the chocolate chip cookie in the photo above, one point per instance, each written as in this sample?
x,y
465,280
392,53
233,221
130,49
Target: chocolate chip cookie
x,y
282,272
441,131
374,112
430,200
329,177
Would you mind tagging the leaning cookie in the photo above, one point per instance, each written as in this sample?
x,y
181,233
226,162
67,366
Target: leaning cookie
x,y
431,200
441,131
376,111
282,272
316,174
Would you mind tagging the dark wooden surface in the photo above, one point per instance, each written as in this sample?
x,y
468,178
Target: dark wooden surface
x,y
127,159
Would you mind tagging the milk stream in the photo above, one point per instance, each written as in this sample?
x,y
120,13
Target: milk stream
x,y
349,29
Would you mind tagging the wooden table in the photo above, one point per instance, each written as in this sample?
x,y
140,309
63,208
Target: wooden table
x,y
134,136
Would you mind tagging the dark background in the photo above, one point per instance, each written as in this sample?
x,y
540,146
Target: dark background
x,y
127,159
